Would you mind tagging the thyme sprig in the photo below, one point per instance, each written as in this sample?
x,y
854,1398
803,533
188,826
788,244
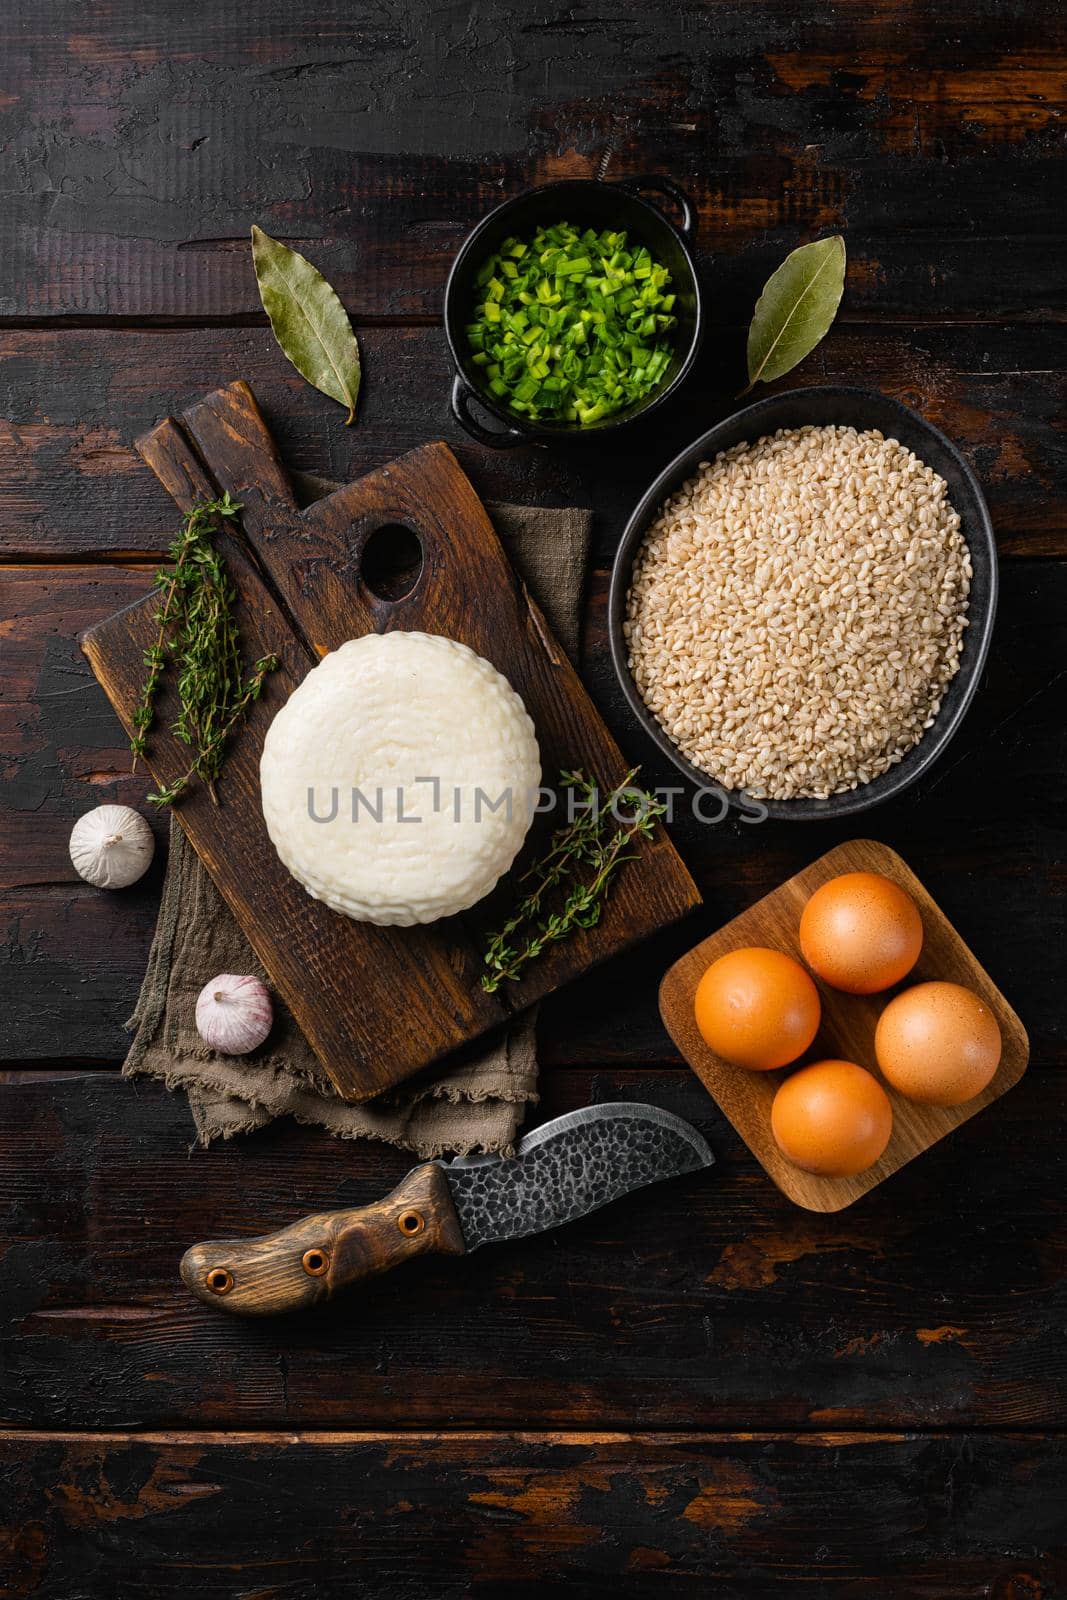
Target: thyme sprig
x,y
198,634
580,862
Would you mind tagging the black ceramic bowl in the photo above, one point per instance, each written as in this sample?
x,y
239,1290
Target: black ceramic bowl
x,y
585,203
862,409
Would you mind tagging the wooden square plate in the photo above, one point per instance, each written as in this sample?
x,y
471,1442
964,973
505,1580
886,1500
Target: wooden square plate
x,y
846,1030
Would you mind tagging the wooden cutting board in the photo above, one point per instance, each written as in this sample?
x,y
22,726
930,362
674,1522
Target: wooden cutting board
x,y
376,1004
847,1028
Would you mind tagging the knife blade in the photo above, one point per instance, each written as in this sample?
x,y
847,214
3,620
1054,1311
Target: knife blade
x,y
561,1171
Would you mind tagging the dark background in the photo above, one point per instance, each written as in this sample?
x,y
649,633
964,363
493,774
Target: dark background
x,y
702,1390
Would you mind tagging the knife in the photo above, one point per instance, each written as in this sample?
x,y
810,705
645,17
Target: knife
x,y
561,1171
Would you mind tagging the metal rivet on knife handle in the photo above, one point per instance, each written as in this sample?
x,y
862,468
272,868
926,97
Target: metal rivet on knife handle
x,y
561,1171
219,1280
315,1257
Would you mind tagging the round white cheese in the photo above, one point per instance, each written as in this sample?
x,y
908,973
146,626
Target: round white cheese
x,y
400,778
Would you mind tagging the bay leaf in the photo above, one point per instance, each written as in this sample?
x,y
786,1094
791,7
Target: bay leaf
x,y
795,310
308,320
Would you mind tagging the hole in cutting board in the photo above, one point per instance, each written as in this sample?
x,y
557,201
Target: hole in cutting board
x,y
392,560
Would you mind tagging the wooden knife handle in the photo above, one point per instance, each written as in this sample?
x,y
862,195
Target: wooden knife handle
x,y
312,1259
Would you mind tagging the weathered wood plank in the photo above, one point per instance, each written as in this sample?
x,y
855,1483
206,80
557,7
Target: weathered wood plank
x,y
63,748
984,826
141,147
708,1302
72,401
331,1515
420,987
68,952
300,942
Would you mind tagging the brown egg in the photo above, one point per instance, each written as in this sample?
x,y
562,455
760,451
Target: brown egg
x,y
757,1008
833,1118
861,932
938,1043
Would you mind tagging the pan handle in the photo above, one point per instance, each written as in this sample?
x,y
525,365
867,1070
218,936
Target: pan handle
x,y
495,438
665,186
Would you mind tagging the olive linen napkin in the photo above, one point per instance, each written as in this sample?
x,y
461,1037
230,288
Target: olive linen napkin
x,y
476,1100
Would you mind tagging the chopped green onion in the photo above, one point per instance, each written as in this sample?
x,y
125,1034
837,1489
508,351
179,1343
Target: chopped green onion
x,y
572,326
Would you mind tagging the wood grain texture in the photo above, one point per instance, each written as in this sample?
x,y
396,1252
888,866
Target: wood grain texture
x,y
303,945
419,995
846,1029
745,1517
936,1302
315,1257
72,401
141,147
140,144
73,957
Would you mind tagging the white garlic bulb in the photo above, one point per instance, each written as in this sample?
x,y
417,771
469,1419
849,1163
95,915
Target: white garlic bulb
x,y
233,1015
111,847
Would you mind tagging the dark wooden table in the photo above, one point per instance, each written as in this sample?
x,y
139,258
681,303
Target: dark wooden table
x,y
702,1390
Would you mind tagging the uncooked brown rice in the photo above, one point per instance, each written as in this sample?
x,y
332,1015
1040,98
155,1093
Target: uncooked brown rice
x,y
796,611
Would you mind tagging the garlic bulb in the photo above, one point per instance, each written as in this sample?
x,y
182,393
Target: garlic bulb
x,y
233,1015
111,847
